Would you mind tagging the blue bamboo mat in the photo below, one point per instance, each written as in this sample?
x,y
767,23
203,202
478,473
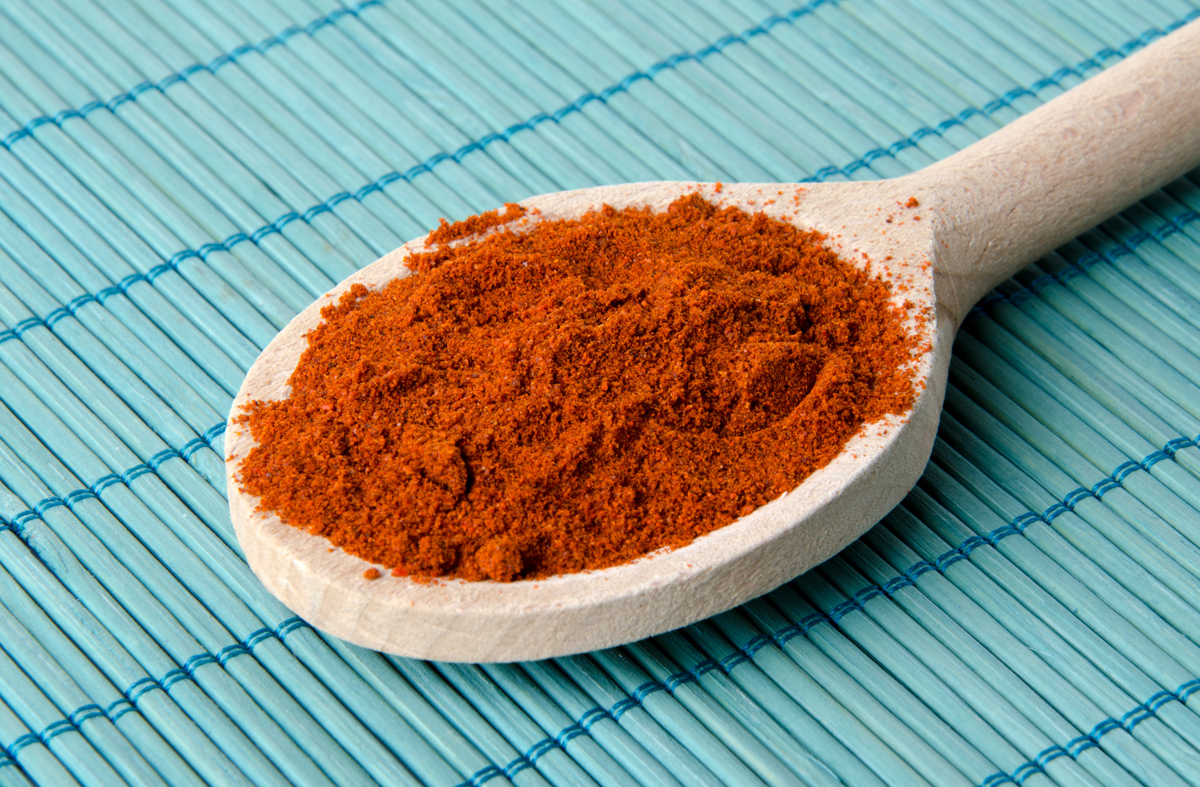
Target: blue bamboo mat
x,y
179,177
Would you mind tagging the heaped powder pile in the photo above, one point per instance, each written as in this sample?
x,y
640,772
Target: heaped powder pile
x,y
579,393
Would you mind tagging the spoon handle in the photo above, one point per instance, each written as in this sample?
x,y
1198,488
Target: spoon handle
x,y
1041,180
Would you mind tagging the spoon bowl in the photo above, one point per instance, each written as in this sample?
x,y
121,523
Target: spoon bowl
x,y
942,237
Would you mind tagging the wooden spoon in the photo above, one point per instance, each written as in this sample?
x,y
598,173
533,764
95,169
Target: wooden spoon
x,y
944,235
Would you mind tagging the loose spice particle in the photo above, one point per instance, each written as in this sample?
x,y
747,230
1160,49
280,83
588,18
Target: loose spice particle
x,y
579,394
473,225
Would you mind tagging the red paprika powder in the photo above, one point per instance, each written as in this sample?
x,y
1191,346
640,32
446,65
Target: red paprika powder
x,y
577,394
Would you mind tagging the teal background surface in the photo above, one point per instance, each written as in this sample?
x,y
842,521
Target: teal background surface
x,y
179,177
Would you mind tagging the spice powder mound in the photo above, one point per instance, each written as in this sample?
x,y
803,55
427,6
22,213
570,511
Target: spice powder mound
x,y
577,394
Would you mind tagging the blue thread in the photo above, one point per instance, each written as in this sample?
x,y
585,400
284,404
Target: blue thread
x,y
1088,261
159,270
1078,745
731,661
24,325
843,609
191,447
82,714
1104,486
1187,690
213,432
1023,772
274,226
1021,522
754,645
107,293
516,766
104,482
919,568
784,635
1018,525
288,626
1135,716
568,733
256,637
962,551
867,593
1053,512
1074,498
127,477
1178,444
943,562
895,584
1020,297
480,776
426,166
172,677
971,544
134,473
1153,459
54,729
146,684
124,284
994,537
140,687
810,622
1073,748
537,750
45,505
54,316
673,682
479,144
183,74
592,716
1125,468
790,632
162,456
646,689
988,109
622,707
1049,755
173,262
21,520
118,709
229,652
1174,225
189,667
28,739
1103,728
195,662
1042,282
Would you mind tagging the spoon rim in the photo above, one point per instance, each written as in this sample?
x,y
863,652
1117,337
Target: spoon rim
x,y
456,620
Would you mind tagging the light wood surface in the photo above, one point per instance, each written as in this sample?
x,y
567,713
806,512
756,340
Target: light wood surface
x,y
983,214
